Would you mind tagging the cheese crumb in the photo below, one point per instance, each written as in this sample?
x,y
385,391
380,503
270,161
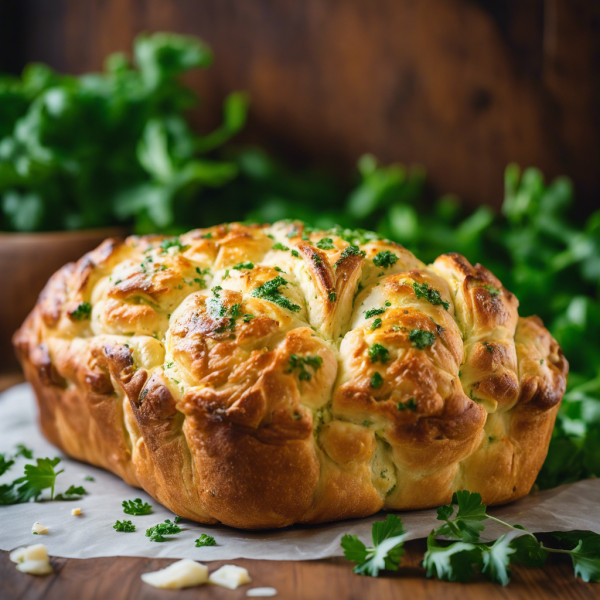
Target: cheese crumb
x,y
76,511
39,529
230,576
32,559
261,592
181,574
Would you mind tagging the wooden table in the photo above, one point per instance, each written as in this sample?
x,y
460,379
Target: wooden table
x,y
118,578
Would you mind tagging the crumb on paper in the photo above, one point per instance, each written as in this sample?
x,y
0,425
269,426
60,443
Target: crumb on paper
x,y
230,576
39,529
181,574
76,511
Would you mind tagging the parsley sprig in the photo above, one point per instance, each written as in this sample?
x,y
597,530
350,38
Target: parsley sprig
x,y
385,553
270,291
205,540
157,532
37,478
136,507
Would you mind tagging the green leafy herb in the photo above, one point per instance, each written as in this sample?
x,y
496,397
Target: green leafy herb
x,y
244,265
24,452
374,312
385,259
467,523
171,243
377,352
385,553
421,338
82,312
584,549
351,250
410,404
301,362
494,291
124,526
270,291
136,507
89,478
422,290
295,253
376,380
279,246
37,478
376,324
205,540
325,244
5,463
73,493
158,532
332,296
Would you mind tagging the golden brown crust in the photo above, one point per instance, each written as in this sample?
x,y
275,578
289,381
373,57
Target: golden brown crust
x,y
262,376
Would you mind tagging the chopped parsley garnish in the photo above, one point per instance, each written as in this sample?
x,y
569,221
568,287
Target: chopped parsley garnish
x,y
82,312
158,532
136,507
494,291
332,296
422,290
279,246
376,323
374,312
23,451
5,463
410,404
171,243
421,338
205,540
73,493
488,347
377,352
386,551
124,526
248,317
376,380
295,253
385,259
270,291
244,265
207,236
301,362
89,478
325,244
350,251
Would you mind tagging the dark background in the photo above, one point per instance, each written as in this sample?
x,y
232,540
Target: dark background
x,y
462,87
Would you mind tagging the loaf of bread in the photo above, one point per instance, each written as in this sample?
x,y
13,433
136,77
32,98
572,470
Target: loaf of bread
x,y
261,376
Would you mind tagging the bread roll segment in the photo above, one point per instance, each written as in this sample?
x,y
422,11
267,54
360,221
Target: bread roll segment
x,y
261,376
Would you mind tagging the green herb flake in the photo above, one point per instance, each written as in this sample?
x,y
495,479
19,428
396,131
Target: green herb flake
x,y
376,324
205,540
385,259
301,362
279,246
82,312
325,244
377,352
270,291
351,250
244,265
124,526
421,338
376,380
410,404
422,290
136,507
158,532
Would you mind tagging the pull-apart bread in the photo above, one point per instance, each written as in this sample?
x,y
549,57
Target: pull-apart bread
x,y
267,375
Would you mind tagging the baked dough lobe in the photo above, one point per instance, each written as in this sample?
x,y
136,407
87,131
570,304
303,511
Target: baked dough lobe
x,y
261,376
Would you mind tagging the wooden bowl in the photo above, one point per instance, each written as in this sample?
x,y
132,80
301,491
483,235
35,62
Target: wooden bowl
x,y
27,260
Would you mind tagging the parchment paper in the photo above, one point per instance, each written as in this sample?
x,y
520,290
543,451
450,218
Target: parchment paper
x,y
575,506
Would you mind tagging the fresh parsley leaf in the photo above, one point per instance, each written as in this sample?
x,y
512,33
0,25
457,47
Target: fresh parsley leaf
x,y
73,493
279,246
205,540
174,242
136,507
385,553
301,362
467,523
38,478
455,562
89,478
24,452
374,312
497,557
584,549
157,533
529,551
376,324
377,352
421,338
5,463
82,312
422,290
270,291
385,259
124,526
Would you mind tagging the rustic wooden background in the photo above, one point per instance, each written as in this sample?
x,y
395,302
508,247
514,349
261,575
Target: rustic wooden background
x,y
460,86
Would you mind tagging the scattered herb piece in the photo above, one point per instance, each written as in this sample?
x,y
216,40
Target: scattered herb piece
x,y
385,259
171,243
301,362
377,352
270,291
421,338
325,244
410,404
244,265
376,323
279,246
205,540
82,312
376,380
350,251
124,526
374,312
136,507
158,532
422,290
332,296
